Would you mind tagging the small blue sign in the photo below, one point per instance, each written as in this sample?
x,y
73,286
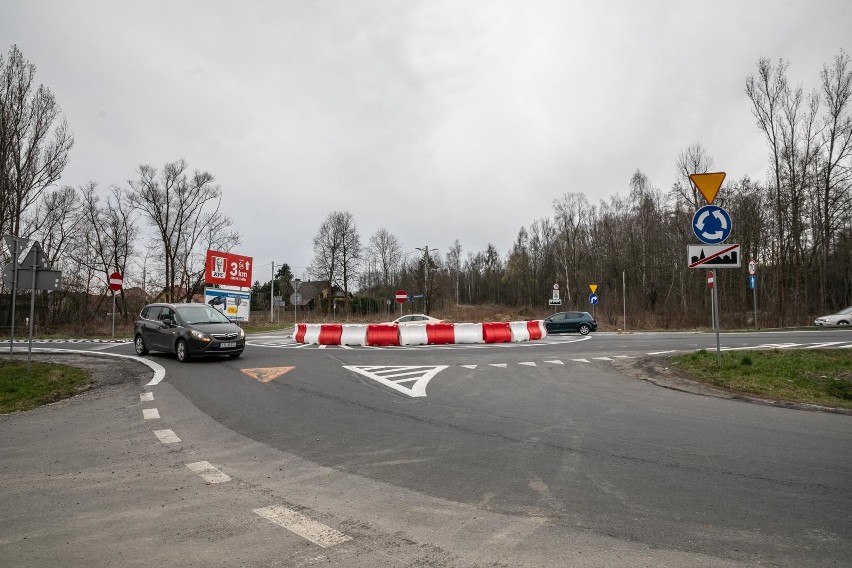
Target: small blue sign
x,y
711,224
593,299
752,282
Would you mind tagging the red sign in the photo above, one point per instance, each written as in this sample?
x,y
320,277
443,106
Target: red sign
x,y
710,279
116,281
401,296
228,269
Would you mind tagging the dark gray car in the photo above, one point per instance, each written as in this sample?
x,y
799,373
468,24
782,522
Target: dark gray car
x,y
187,330
562,322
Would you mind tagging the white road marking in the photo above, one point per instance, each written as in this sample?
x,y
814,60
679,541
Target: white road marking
x,y
159,371
146,396
167,436
307,528
581,360
421,375
501,365
207,472
821,345
528,363
555,362
150,413
623,357
663,352
469,366
602,358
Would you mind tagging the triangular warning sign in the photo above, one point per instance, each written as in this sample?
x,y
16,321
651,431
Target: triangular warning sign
x,y
267,374
399,377
708,184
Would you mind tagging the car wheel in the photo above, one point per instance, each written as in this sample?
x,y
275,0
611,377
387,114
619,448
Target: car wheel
x,y
235,355
843,322
584,329
181,351
139,344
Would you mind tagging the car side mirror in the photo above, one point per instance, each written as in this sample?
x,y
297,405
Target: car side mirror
x,y
168,321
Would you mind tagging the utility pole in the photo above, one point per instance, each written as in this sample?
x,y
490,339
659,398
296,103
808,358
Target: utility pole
x,y
428,301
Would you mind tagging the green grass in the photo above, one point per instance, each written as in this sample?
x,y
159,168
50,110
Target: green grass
x,y
47,382
816,376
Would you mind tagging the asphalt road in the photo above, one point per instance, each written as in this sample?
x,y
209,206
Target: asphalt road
x,y
548,434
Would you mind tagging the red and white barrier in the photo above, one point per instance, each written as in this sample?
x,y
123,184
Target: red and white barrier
x,y
496,332
354,335
441,333
384,334
413,335
468,332
312,333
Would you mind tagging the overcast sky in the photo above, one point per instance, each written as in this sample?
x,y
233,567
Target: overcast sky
x,y
435,120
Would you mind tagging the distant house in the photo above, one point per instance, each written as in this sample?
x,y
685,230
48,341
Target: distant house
x,y
316,293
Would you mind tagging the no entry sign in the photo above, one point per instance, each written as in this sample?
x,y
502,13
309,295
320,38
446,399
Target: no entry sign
x,y
116,281
401,296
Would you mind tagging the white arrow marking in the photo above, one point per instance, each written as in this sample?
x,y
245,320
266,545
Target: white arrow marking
x,y
421,375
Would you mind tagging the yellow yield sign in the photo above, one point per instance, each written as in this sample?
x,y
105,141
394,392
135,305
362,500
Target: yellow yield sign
x,y
708,184
267,374
593,288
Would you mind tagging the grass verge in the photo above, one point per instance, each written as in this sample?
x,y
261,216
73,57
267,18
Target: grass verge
x,y
815,376
47,382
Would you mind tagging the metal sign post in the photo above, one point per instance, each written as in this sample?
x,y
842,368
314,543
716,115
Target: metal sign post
x,y
716,323
752,280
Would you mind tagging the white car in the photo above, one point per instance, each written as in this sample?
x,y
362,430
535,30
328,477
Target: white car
x,y
843,317
416,319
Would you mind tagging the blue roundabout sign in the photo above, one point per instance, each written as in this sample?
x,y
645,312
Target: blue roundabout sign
x,y
711,224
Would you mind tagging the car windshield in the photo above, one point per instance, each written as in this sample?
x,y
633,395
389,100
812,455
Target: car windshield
x,y
846,312
201,314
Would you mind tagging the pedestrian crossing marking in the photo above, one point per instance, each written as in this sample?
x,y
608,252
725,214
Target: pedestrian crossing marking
x,y
384,374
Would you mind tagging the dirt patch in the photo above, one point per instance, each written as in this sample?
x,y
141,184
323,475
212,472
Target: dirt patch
x,y
654,370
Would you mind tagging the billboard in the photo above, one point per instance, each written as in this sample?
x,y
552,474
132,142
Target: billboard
x,y
234,304
228,269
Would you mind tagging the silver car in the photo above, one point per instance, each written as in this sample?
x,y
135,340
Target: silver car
x,y
843,317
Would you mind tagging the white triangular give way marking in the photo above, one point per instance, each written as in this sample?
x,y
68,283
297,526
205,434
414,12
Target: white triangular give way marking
x,y
528,363
555,362
398,377
501,365
468,366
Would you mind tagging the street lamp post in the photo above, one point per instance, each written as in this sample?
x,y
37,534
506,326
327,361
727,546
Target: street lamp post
x,y
425,250
296,299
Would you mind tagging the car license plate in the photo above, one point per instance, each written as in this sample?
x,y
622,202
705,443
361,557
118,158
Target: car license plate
x,y
227,344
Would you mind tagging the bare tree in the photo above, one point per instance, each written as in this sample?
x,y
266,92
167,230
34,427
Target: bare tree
x,y
835,168
337,250
692,160
455,266
34,140
180,207
766,92
386,249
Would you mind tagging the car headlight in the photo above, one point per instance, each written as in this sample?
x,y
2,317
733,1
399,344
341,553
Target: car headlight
x,y
198,335
242,333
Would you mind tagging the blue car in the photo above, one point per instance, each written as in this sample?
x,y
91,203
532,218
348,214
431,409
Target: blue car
x,y
564,322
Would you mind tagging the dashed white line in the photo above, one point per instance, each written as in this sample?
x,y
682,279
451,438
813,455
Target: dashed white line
x,y
307,528
207,472
167,436
150,413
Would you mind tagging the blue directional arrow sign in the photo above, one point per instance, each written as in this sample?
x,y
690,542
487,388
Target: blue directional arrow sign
x,y
711,224
593,299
